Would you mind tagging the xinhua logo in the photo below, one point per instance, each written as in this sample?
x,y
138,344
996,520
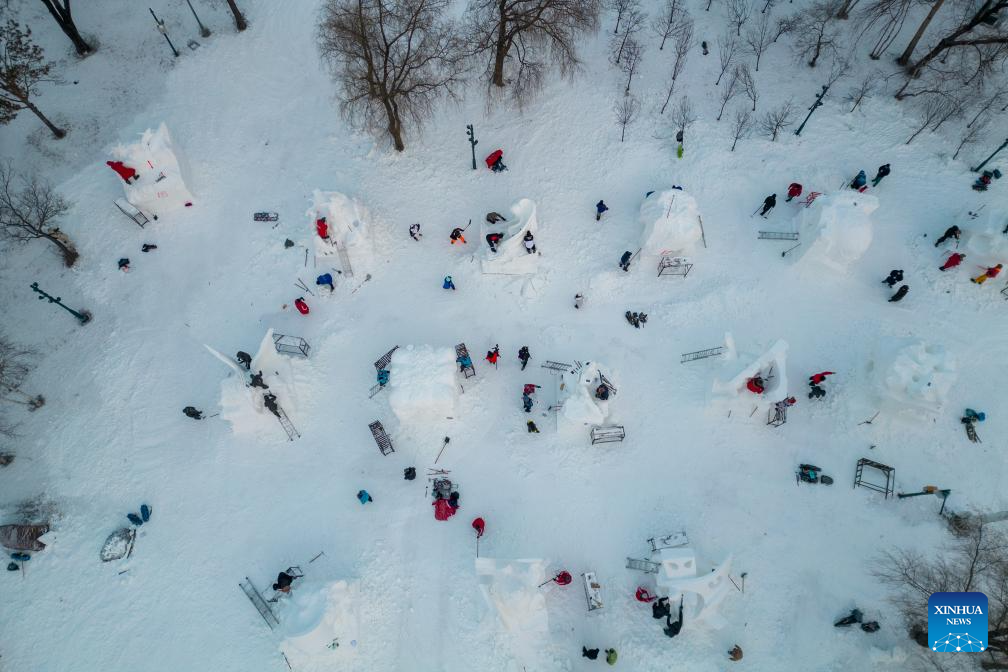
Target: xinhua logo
x,y
957,622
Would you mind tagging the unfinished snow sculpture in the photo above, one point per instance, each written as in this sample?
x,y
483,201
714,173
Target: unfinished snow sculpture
x,y
836,230
243,405
320,625
162,173
516,603
770,367
702,593
512,257
915,376
422,386
341,231
671,221
581,402
986,244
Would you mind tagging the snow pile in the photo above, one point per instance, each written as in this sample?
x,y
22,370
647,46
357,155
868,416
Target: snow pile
x,y
671,221
516,603
163,173
985,244
422,385
579,404
702,593
836,230
319,621
771,366
511,257
348,223
242,405
915,375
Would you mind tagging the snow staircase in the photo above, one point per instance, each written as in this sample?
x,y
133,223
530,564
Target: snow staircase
x,y
288,426
383,361
344,260
259,603
701,354
381,438
134,213
611,434
776,235
556,367
462,351
643,565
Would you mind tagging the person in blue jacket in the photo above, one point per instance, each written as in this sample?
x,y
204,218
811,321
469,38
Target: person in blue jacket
x,y
600,208
326,279
859,181
364,497
448,284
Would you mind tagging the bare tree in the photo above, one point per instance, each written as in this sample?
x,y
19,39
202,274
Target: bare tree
x,y
844,10
708,5
749,84
863,90
777,120
731,90
743,123
889,15
22,68
633,22
971,134
683,45
907,54
839,67
15,365
393,59
934,110
759,37
728,48
785,25
239,18
632,55
621,8
992,101
60,10
518,37
978,27
626,110
816,33
767,6
683,116
30,208
665,24
738,12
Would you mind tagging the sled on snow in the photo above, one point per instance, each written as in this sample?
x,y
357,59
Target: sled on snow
x,y
118,545
23,537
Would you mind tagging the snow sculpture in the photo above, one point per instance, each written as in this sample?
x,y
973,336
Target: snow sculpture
x,y
511,257
422,385
771,366
516,603
347,227
836,230
242,405
671,221
162,172
580,406
913,375
320,625
985,244
702,594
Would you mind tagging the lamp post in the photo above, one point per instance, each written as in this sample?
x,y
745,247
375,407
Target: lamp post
x,y
164,31
473,142
818,101
203,30
83,316
977,169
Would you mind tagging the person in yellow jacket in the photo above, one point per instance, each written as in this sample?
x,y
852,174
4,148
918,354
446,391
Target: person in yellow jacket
x,y
991,272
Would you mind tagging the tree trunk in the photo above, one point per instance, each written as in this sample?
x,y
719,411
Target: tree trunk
x,y
240,23
394,124
500,53
844,11
623,134
69,252
56,131
904,58
668,97
62,15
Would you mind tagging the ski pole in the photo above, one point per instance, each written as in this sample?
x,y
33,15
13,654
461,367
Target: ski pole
x,y
734,584
547,581
756,210
443,446
743,580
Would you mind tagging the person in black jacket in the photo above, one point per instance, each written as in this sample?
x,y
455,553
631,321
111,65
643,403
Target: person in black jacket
x,y
673,629
590,654
191,412
660,608
900,293
244,359
768,204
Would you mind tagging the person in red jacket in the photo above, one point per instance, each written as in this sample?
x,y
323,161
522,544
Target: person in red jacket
x,y
322,228
493,355
991,272
300,304
817,378
755,385
124,171
793,191
952,261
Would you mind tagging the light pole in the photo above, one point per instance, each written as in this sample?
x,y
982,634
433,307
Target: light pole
x,y
83,316
164,31
977,169
473,142
203,30
817,103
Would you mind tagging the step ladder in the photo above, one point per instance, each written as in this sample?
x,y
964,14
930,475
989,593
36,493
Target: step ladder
x,y
344,259
375,390
701,354
381,438
288,426
556,367
460,351
776,235
259,603
646,566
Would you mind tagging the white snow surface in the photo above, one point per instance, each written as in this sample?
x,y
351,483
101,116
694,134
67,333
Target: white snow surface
x,y
511,257
915,376
163,184
671,221
319,624
836,229
422,387
258,119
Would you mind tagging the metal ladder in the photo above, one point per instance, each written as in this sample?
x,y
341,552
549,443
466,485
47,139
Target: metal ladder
x,y
259,603
344,260
288,426
776,235
701,354
643,565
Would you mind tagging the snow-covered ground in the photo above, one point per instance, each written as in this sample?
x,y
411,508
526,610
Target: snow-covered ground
x,y
256,117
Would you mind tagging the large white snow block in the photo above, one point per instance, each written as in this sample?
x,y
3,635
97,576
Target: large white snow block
x,y
771,366
349,225
163,173
511,590
422,385
836,230
985,244
703,593
671,221
320,625
579,404
511,257
913,375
